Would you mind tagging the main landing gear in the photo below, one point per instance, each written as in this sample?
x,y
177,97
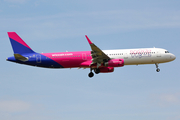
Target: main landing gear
x,y
91,74
96,70
157,69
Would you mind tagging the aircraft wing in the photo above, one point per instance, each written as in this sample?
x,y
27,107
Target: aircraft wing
x,y
98,56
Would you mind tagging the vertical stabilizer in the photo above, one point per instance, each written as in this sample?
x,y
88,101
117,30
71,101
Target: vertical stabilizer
x,y
18,45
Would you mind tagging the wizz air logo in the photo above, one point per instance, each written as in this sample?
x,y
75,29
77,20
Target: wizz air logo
x,y
140,53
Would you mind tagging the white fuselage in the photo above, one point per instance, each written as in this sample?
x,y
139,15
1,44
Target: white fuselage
x,y
141,56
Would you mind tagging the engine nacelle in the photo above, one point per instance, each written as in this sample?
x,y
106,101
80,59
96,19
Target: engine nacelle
x,y
106,69
114,63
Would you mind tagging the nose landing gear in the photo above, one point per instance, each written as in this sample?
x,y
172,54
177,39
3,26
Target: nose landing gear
x,y
157,69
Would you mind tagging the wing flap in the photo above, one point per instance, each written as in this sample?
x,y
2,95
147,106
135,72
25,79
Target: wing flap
x,y
97,54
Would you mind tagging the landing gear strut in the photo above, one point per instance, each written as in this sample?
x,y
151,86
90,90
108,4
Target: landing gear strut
x,y
157,69
91,74
97,70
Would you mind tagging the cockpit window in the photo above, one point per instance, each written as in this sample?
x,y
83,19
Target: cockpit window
x,y
166,51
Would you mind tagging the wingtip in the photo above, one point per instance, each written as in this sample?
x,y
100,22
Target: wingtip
x,y
88,39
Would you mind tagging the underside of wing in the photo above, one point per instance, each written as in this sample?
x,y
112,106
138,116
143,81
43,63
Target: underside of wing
x,y
98,56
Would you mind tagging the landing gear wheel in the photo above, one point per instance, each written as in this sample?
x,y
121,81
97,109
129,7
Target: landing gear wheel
x,y
97,70
157,69
91,74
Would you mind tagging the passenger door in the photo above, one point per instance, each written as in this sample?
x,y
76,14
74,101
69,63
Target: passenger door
x,y
38,58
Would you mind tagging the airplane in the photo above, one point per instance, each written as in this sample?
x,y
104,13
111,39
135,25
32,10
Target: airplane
x,y
99,61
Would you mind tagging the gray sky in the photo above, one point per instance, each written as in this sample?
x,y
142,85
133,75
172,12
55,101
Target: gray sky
x,y
131,92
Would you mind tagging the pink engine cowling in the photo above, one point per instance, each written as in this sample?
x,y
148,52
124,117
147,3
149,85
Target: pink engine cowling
x,y
114,63
106,69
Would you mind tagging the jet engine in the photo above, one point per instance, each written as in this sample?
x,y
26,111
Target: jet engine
x,y
114,63
106,69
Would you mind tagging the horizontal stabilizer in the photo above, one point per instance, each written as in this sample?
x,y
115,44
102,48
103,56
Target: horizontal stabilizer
x,y
20,57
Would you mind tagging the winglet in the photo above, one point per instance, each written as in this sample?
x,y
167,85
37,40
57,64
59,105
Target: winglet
x,y
88,40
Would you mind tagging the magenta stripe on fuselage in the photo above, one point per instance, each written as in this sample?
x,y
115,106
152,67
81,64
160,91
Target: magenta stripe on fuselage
x,y
15,37
69,59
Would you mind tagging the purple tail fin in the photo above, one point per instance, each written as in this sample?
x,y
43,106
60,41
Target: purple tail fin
x,y
18,45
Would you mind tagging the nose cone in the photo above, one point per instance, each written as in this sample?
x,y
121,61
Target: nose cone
x,y
173,57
